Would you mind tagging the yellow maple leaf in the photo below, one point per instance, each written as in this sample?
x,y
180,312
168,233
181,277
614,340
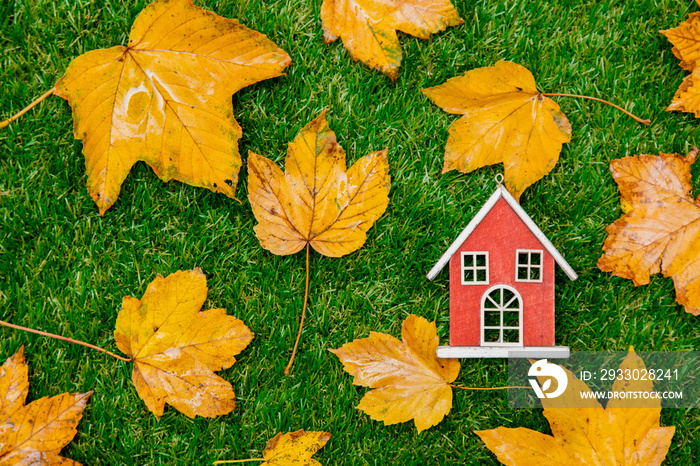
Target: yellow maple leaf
x,y
686,47
176,348
661,229
316,201
294,448
291,449
368,27
165,98
35,433
409,380
505,119
618,435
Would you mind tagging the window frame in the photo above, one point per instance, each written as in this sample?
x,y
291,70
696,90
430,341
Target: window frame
x,y
529,266
474,268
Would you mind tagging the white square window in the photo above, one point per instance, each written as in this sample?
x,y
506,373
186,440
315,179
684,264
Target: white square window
x,y
475,268
528,265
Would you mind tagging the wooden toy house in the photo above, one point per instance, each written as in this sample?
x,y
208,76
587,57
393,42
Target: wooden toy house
x,y
502,285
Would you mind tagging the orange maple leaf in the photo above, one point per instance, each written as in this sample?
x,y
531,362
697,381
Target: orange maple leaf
x,y
316,201
368,28
409,380
165,98
176,348
35,433
618,435
660,230
686,47
505,119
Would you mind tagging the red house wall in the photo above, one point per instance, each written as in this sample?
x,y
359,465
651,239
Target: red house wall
x,y
500,233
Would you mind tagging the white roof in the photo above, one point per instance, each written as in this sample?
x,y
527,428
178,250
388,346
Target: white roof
x,y
502,192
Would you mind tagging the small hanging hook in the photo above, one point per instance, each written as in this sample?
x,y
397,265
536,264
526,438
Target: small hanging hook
x,y
499,179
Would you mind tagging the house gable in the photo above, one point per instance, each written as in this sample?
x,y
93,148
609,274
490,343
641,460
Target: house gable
x,y
501,193
499,237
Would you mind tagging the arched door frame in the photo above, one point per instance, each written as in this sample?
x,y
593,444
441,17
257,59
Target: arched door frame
x,y
502,307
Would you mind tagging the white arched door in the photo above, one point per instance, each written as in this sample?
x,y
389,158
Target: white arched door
x,y
501,316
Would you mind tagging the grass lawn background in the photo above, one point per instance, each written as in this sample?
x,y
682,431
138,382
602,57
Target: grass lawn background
x,y
64,269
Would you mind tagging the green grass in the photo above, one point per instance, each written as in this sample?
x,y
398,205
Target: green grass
x,y
65,269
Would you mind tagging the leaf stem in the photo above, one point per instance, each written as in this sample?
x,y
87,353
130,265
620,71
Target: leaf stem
x,y
636,118
238,461
303,314
7,122
59,337
487,388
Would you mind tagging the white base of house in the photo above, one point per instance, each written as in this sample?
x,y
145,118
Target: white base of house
x,y
538,352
